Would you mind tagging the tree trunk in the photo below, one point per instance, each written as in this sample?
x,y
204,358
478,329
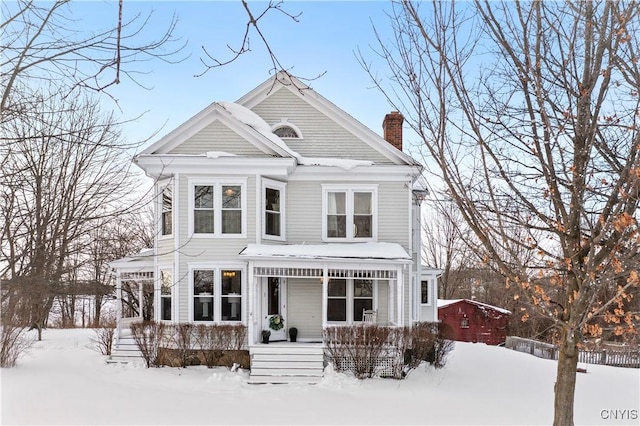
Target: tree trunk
x,y
565,380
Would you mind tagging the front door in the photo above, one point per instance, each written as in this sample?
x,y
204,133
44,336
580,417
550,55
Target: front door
x,y
274,303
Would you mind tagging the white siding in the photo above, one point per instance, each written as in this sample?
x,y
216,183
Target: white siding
x,y
383,302
322,137
217,137
210,250
304,307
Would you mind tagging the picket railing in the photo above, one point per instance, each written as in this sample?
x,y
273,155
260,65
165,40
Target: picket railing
x,y
609,356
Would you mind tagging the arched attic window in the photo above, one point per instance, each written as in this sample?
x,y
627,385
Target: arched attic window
x,y
284,129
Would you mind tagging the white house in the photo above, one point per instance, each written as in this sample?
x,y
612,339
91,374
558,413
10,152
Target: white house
x,y
282,203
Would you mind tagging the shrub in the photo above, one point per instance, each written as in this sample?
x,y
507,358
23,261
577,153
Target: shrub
x,y
361,349
221,344
149,337
372,350
104,336
15,343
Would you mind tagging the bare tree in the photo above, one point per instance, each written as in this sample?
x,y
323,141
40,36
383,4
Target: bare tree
x,y
66,171
41,42
530,111
446,246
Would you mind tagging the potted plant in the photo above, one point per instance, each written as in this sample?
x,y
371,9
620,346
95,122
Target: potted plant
x,y
265,336
293,334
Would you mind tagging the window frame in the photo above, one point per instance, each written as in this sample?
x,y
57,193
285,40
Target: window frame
x,y
217,296
429,285
281,187
162,186
161,297
349,191
218,209
350,299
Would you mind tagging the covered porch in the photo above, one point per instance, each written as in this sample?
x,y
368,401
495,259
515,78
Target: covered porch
x,y
314,286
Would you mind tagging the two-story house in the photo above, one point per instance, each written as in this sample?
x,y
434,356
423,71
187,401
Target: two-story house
x,y
282,203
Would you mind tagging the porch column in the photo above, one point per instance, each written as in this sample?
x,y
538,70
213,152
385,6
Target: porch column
x,y
140,284
118,304
250,304
400,296
325,295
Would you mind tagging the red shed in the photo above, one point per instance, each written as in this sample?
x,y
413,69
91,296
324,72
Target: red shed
x,y
471,321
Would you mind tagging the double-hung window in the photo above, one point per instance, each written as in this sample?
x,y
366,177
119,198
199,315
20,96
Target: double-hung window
x,y
350,213
273,199
167,210
348,298
166,293
217,294
424,292
217,208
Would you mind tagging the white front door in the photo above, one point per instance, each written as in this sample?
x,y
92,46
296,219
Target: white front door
x,y
274,303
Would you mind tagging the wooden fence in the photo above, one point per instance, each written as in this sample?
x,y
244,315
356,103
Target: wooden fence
x,y
614,357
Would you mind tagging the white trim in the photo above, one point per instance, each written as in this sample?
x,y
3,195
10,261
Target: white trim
x,y
217,268
285,123
349,190
217,183
160,165
161,186
158,290
282,187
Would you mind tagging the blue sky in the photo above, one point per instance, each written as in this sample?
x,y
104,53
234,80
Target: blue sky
x,y
324,40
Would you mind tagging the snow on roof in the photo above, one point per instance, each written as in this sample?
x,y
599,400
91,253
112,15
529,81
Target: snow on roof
x,y
343,163
446,302
218,154
253,120
387,251
250,118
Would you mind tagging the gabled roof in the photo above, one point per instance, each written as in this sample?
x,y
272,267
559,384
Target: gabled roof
x,y
443,303
237,118
284,81
240,119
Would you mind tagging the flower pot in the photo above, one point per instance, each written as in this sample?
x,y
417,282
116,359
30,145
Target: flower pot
x,y
293,334
265,337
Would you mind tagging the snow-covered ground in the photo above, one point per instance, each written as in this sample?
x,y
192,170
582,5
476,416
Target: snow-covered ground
x,y
64,381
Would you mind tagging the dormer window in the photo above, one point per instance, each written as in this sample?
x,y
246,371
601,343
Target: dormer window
x,y
286,130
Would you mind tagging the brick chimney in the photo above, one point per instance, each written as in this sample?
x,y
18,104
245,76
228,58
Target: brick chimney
x,y
392,127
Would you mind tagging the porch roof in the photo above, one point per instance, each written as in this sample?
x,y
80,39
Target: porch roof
x,y
139,262
343,251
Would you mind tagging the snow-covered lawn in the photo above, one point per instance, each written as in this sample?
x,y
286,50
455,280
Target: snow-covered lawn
x,y
64,381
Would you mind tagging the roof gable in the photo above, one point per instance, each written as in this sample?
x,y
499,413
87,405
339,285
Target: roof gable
x,y
283,81
238,119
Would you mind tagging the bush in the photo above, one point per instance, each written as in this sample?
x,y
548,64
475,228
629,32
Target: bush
x,y
221,344
13,345
104,336
372,350
361,349
149,337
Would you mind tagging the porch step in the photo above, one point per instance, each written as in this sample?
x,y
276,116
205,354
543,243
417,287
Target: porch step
x,y
125,351
286,363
